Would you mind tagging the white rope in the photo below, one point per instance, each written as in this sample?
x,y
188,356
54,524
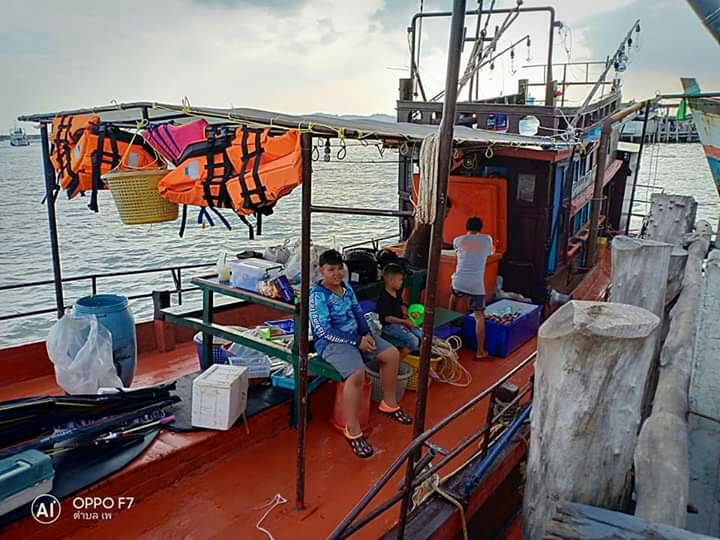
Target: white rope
x,y
427,187
451,371
276,501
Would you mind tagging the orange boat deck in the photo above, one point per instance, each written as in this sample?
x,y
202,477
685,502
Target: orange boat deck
x,y
210,484
215,484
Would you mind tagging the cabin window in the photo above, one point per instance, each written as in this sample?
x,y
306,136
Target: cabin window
x,y
526,188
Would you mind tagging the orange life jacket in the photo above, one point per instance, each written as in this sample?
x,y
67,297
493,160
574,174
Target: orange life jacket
x,y
76,141
245,169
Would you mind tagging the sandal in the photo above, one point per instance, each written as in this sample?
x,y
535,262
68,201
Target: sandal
x,y
395,414
360,445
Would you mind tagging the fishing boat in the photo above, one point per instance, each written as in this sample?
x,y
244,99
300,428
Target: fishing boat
x,y
548,180
706,115
706,108
18,137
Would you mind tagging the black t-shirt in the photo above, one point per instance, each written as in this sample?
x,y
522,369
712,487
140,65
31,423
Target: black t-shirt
x,y
389,306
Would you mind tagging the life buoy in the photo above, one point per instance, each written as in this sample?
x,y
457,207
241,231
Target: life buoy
x,y
83,149
245,169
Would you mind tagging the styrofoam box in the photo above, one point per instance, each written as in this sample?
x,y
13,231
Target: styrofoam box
x,y
219,397
246,273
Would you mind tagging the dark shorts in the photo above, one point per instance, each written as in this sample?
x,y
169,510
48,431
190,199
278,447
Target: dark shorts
x,y
477,301
348,359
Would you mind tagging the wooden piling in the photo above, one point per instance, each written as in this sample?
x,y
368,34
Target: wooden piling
x,y
590,373
572,521
640,273
661,456
670,218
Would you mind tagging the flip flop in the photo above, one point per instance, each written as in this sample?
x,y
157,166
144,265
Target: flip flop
x,y
482,356
360,445
395,414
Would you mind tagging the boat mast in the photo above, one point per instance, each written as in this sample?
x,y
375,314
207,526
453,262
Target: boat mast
x,y
444,148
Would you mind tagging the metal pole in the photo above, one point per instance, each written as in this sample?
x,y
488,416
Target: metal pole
x,y
445,141
549,88
301,392
637,168
602,154
52,221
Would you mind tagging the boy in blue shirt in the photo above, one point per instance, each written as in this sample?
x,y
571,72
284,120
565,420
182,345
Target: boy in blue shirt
x,y
343,339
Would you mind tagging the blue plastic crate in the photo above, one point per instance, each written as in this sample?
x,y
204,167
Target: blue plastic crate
x,y
502,339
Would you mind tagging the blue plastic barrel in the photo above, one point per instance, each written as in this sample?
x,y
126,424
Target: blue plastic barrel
x,y
112,312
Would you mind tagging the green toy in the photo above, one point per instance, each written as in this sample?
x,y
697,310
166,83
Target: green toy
x,y
416,313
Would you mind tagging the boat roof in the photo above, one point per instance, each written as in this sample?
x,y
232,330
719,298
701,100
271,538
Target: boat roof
x,y
321,124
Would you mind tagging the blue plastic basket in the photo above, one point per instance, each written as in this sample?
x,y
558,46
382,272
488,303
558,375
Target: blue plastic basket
x,y
502,339
219,354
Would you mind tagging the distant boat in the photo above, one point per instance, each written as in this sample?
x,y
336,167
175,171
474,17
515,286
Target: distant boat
x,y
18,137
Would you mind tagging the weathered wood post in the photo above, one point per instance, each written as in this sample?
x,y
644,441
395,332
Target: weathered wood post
x,y
640,278
661,456
640,273
592,365
678,259
671,217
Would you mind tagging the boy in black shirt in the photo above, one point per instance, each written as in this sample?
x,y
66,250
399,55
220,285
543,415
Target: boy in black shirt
x,y
393,313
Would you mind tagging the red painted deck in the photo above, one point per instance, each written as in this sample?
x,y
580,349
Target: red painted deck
x,y
209,484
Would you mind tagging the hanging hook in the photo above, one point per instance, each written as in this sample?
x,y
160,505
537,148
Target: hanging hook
x,y
342,153
316,153
489,153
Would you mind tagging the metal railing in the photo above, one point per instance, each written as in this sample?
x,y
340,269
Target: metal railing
x,y
423,469
176,272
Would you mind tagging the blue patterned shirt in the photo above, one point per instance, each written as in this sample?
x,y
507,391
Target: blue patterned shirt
x,y
334,318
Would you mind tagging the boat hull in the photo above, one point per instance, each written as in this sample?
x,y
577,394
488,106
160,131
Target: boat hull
x,y
706,115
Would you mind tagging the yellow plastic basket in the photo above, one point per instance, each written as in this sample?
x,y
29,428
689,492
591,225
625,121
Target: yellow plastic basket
x,y
137,198
414,362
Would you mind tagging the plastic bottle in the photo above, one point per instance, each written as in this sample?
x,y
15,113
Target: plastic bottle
x,y
223,267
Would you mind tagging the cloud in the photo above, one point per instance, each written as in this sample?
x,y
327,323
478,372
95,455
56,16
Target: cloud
x,y
673,43
276,6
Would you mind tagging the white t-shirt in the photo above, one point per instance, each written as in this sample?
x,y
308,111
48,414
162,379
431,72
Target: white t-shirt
x,y
472,251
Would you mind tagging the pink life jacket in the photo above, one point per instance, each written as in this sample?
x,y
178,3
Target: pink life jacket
x,y
171,141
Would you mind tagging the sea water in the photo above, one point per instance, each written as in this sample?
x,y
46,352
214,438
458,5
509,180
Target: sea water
x,y
100,243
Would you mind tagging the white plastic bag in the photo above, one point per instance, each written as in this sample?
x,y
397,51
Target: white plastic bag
x,y
81,350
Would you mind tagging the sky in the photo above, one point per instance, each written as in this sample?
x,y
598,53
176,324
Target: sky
x,y
303,56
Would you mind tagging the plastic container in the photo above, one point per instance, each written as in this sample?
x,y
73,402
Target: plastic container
x,y
413,362
23,477
286,325
246,273
373,372
219,353
258,367
338,417
113,312
219,397
502,339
